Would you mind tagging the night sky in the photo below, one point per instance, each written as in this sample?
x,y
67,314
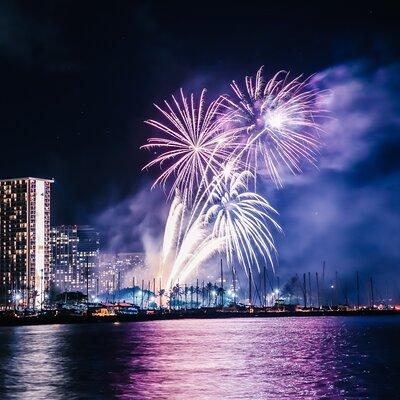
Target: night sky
x,y
79,78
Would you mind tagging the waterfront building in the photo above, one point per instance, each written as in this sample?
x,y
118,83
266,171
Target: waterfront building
x,y
65,274
75,258
116,271
24,241
88,257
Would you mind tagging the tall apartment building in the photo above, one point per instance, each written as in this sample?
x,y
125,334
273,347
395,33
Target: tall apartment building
x,y
74,258
24,241
117,270
88,255
65,274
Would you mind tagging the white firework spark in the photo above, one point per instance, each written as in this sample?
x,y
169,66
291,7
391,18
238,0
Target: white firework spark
x,y
276,123
242,218
194,145
232,221
195,239
171,235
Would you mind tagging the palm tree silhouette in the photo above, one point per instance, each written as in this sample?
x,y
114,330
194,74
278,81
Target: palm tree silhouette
x,y
161,293
209,288
191,290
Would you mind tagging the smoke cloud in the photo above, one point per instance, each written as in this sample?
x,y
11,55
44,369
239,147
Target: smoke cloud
x,y
136,224
345,213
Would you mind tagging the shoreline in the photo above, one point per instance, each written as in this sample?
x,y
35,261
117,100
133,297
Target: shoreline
x,y
181,315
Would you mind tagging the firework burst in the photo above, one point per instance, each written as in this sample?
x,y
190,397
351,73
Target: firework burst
x,y
194,146
275,123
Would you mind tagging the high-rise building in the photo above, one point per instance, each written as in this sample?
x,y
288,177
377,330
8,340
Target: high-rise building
x,y
88,255
74,258
65,274
24,241
116,271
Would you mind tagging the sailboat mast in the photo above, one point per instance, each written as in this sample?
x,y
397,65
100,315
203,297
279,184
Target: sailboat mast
x,y
249,287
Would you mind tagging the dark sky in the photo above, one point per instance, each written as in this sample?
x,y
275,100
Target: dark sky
x,y
79,78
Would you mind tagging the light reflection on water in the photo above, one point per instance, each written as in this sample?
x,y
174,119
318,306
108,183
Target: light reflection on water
x,y
293,358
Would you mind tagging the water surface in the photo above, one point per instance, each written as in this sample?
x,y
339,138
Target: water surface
x,y
276,358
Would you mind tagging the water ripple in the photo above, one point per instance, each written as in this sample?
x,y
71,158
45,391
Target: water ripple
x,y
277,358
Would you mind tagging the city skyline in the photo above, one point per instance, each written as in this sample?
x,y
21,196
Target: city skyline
x,y
37,258
76,263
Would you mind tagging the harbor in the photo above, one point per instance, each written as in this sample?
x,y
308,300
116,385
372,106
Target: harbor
x,y
228,296
118,313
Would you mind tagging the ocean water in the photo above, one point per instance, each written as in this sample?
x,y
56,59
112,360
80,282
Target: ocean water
x,y
270,358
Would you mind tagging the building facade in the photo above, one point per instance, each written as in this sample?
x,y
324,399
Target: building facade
x,y
65,274
74,258
24,241
88,256
116,271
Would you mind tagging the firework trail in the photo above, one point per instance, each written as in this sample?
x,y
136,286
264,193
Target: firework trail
x,y
171,233
276,123
194,146
205,251
233,221
241,217
189,250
